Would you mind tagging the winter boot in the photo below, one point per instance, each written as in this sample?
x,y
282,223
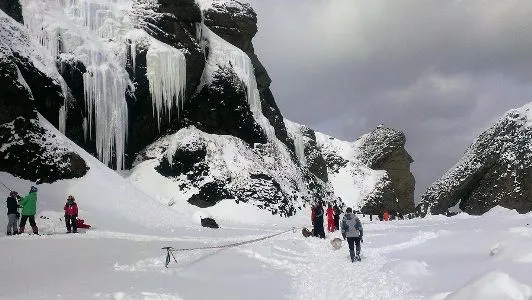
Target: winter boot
x,y
15,232
21,229
9,233
35,229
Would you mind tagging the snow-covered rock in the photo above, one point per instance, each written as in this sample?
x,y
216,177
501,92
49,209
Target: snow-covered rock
x,y
371,174
495,170
174,89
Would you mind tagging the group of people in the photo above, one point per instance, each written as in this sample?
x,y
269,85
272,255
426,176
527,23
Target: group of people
x,y
333,218
351,227
28,204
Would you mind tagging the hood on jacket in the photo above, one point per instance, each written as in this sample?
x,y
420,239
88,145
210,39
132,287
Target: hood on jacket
x,y
349,216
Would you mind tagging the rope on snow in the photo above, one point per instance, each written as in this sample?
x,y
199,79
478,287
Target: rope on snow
x,y
170,250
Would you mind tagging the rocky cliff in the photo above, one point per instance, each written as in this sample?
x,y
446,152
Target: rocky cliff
x,y
496,169
173,91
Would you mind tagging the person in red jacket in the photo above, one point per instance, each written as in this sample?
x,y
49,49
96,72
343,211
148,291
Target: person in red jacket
x,y
330,219
71,214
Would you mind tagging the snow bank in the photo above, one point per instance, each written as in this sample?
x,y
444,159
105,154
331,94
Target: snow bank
x,y
495,285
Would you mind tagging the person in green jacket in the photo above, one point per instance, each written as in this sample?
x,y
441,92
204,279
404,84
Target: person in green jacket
x,y
29,209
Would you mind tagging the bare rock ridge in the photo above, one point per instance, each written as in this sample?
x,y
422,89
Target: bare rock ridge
x,y
496,169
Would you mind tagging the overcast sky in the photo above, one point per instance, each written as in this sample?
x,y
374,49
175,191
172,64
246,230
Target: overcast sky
x,y
440,71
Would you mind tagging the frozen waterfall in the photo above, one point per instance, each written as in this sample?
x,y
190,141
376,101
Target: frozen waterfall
x,y
99,34
167,78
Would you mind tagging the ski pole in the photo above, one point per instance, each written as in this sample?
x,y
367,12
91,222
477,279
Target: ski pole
x,y
6,186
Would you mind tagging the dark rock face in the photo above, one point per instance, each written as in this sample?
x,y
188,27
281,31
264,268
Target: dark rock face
x,y
495,170
209,223
273,114
28,153
383,199
315,161
267,192
237,24
384,149
46,92
189,161
222,108
13,9
27,149
210,194
15,100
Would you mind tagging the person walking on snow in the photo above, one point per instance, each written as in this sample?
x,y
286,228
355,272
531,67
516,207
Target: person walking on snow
x,y
353,232
12,213
318,222
71,214
29,209
330,219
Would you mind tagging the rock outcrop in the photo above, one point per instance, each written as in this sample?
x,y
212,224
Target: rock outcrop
x,y
28,150
373,173
384,149
496,169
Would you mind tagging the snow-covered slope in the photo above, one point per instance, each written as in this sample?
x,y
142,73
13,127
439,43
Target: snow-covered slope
x,y
495,170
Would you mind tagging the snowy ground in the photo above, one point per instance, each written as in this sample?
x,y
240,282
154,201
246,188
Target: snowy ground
x,y
487,257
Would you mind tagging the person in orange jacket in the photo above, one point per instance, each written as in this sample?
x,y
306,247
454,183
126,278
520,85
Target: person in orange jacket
x,y
386,216
330,219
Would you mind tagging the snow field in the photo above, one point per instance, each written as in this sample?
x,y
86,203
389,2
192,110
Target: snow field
x,y
430,258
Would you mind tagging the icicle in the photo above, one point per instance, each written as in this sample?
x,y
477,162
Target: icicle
x,y
133,51
299,143
166,72
104,89
85,129
62,119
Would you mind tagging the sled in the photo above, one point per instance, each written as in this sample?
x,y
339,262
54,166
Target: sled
x,y
336,243
81,224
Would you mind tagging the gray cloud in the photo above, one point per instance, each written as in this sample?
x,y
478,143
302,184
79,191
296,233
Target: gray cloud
x,y
441,71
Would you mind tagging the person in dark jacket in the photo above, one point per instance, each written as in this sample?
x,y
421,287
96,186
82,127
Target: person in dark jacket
x,y
71,214
12,213
29,209
337,213
319,231
353,232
